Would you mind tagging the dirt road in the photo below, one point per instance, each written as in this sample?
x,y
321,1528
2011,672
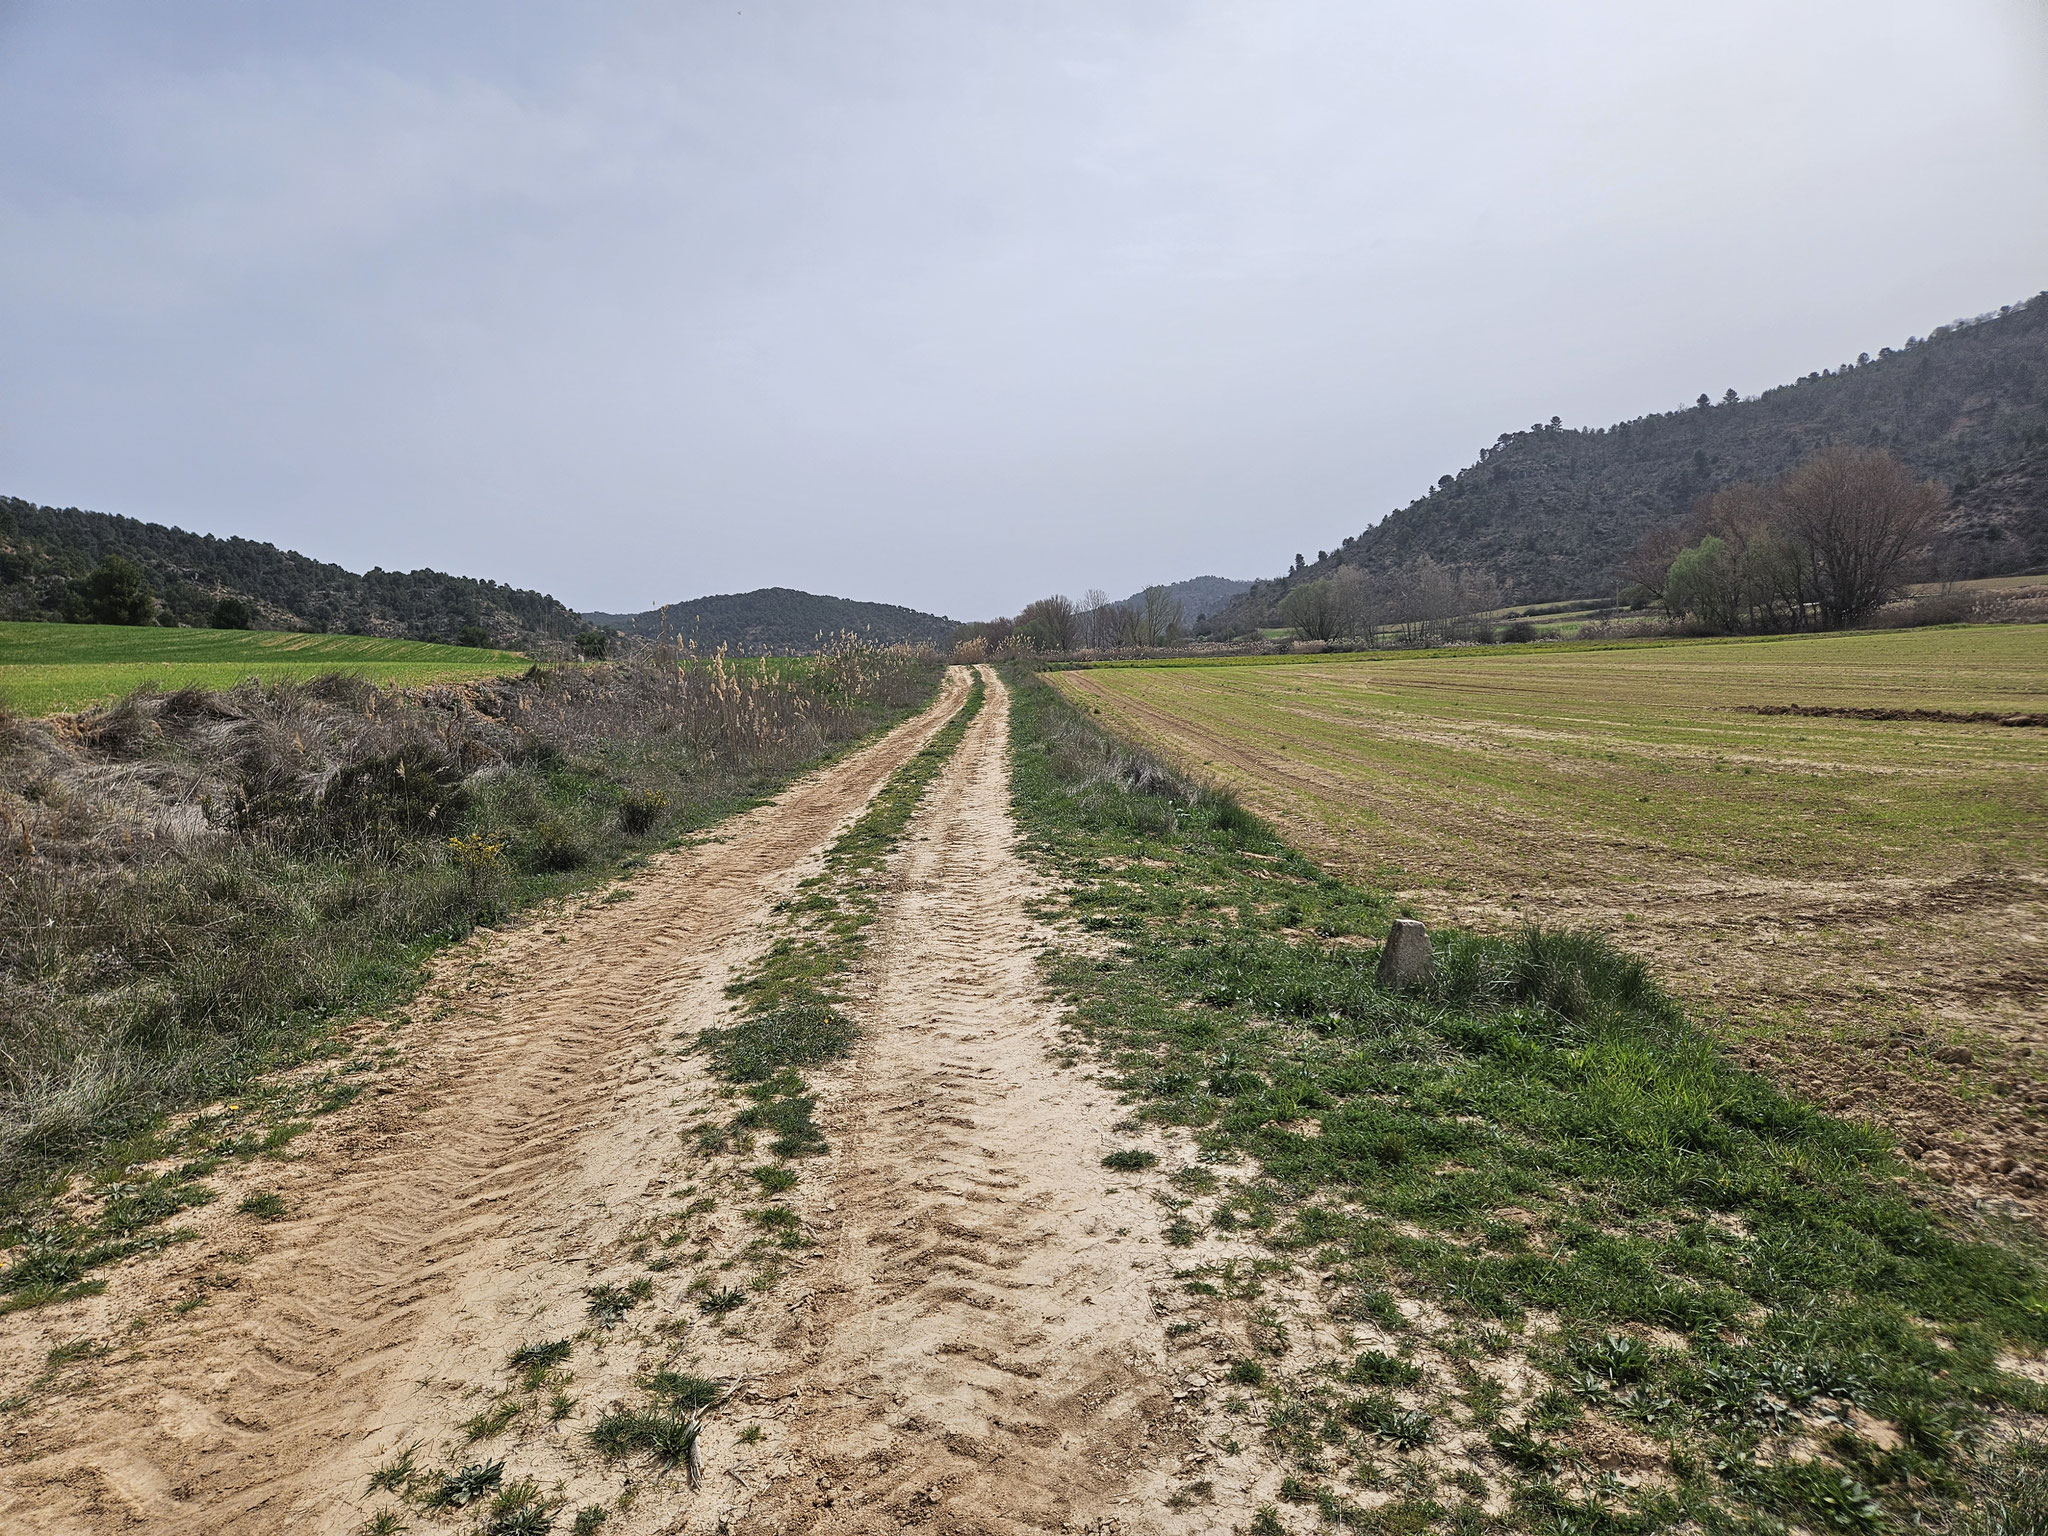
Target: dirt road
x,y
971,1345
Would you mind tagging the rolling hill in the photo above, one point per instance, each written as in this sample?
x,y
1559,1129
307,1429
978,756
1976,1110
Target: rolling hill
x,y
778,621
1199,595
46,551
1552,511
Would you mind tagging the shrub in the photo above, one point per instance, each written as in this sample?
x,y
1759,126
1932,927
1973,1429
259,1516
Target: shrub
x,y
401,794
554,847
639,810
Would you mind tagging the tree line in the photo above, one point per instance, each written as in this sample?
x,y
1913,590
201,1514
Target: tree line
x,y
1057,624
1823,546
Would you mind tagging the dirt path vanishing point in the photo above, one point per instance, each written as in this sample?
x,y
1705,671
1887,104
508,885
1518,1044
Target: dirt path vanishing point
x,y
974,1345
982,1351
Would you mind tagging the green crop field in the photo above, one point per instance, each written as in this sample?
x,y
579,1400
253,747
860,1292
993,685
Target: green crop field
x,y
1792,874
45,668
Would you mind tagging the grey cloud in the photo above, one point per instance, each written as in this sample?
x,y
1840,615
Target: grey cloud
x,y
947,305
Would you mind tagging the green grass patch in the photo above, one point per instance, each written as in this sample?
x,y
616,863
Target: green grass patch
x,y
45,668
791,1005
1536,1129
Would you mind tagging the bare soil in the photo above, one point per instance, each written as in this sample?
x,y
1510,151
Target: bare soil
x,y
974,1341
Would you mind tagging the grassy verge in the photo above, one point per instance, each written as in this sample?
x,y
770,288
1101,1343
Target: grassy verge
x,y
202,889
791,1001
1584,1274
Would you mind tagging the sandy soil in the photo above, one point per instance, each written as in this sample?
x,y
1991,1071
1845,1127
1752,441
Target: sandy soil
x,y
974,1341
429,1232
980,1351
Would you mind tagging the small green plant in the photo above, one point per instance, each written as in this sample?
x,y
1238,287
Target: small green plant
x,y
1619,1357
263,1205
1130,1160
1403,1428
718,1303
667,1434
1267,1522
464,1486
397,1475
589,1520
534,1362
385,1522
684,1391
751,1435
69,1354
609,1304
1247,1373
491,1422
773,1178
1523,1451
1373,1368
519,1510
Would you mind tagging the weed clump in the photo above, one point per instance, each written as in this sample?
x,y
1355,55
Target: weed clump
x,y
683,1391
798,1034
609,1304
667,1434
1130,1160
535,1362
466,1485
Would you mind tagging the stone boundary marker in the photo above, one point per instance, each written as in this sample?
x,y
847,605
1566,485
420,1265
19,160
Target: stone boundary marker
x,y
1404,958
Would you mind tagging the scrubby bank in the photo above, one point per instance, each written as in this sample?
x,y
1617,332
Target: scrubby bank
x,y
1589,1275
191,882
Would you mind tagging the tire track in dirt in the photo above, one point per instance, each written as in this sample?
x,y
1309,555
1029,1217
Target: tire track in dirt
x,y
982,1349
433,1229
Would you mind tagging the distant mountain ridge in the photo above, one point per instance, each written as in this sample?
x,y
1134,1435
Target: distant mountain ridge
x,y
1552,512
778,621
44,551
1199,595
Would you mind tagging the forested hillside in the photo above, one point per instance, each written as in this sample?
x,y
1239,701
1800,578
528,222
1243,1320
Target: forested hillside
x,y
46,554
1553,511
1198,596
778,621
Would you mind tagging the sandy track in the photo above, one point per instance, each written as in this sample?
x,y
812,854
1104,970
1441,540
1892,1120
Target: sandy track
x,y
981,1352
430,1230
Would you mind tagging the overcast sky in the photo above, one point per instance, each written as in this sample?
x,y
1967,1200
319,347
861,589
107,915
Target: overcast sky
x,y
948,304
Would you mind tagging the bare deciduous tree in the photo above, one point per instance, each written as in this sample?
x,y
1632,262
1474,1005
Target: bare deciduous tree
x,y
1049,624
1857,516
1160,622
1314,609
